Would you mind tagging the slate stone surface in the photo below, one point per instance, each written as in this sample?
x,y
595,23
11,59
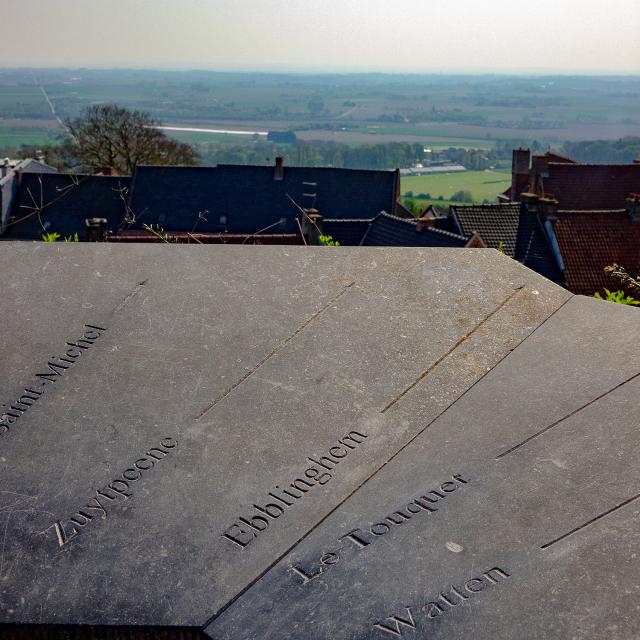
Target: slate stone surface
x,y
150,481
532,531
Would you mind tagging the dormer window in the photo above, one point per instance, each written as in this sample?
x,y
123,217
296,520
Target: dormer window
x,y
162,218
223,220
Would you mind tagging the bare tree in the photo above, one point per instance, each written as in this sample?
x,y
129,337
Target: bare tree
x,y
112,136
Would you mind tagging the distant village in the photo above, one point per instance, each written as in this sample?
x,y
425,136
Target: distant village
x,y
564,219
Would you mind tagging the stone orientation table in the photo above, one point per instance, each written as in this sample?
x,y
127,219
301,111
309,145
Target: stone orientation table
x,y
289,442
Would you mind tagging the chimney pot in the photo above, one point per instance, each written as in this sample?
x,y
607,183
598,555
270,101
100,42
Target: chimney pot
x,y
426,222
279,169
312,226
105,171
529,201
520,162
96,229
549,208
633,207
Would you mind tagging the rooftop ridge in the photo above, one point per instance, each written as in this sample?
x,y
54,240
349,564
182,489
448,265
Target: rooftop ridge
x,y
416,221
582,165
302,168
591,211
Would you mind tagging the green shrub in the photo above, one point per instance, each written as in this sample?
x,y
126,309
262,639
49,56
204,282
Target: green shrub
x,y
619,297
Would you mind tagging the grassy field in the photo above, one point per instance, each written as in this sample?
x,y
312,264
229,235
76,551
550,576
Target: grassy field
x,y
437,111
483,185
16,136
421,205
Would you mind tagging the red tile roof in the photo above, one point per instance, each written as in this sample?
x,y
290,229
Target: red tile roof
x,y
591,240
513,228
541,163
591,186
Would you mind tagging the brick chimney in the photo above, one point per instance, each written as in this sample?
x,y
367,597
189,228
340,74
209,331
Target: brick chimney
x,y
312,226
106,171
96,229
633,207
278,174
424,223
519,172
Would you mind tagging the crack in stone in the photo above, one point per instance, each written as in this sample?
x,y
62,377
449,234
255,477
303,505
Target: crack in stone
x,y
125,302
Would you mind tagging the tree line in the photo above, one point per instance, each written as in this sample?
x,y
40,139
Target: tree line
x,y
112,136
109,135
622,151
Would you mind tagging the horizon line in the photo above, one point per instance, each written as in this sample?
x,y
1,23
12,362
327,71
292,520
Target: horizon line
x,y
310,70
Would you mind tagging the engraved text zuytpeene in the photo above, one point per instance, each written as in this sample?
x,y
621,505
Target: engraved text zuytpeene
x,y
120,487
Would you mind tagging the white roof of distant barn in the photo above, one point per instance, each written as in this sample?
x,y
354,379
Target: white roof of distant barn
x,y
417,171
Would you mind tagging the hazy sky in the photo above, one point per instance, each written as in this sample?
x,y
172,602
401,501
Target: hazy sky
x,y
412,35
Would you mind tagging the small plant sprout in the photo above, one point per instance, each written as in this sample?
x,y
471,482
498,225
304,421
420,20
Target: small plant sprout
x,y
328,241
619,297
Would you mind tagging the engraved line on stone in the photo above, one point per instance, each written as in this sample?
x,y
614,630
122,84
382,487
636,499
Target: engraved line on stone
x,y
592,521
273,352
455,346
128,298
569,415
375,472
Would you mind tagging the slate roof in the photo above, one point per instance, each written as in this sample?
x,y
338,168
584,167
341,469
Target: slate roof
x,y
591,186
224,199
496,223
27,165
391,231
513,227
446,223
591,240
57,202
10,175
243,199
32,165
